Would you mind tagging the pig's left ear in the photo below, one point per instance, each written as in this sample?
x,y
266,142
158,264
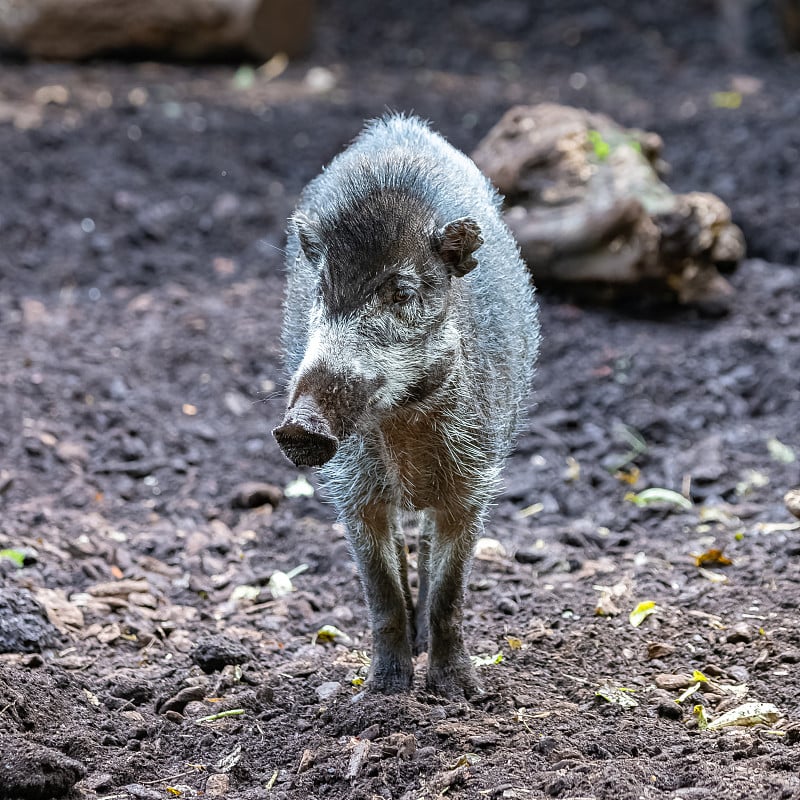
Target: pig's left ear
x,y
310,242
456,242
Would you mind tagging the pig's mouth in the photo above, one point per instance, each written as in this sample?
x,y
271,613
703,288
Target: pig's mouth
x,y
304,436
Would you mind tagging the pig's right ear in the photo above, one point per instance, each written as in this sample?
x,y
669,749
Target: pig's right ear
x,y
456,242
310,242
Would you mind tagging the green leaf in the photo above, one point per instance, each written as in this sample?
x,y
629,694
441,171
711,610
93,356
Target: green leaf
x,y
657,495
642,612
700,715
244,78
17,556
486,659
602,149
726,99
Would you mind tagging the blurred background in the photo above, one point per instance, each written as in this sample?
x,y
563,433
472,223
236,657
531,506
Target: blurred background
x,y
190,127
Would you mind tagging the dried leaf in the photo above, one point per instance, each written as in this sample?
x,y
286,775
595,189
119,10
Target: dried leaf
x,y
780,452
228,762
630,475
280,584
753,479
573,471
777,527
618,695
244,592
687,693
710,575
712,558
530,511
747,714
466,760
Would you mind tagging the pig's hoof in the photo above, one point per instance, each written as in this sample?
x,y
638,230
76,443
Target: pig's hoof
x,y
453,680
390,678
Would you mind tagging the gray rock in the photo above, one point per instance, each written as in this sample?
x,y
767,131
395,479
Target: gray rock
x,y
24,627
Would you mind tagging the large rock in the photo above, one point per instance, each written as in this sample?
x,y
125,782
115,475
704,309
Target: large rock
x,y
588,206
185,29
24,626
31,771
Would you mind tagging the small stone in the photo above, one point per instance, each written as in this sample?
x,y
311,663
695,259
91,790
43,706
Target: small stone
x,y
530,556
672,682
254,494
666,706
212,653
306,761
99,781
792,500
483,740
24,626
370,733
6,480
218,785
659,649
72,452
740,632
35,771
195,709
179,701
507,606
325,691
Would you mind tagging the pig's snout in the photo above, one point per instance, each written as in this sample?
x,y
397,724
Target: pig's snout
x,y
305,435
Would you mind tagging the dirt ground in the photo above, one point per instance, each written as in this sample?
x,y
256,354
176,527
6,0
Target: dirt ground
x,y
142,210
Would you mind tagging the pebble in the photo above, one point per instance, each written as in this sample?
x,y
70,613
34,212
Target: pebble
x,y
325,691
672,683
213,653
24,627
218,785
740,632
792,500
507,606
665,705
372,732
253,494
35,771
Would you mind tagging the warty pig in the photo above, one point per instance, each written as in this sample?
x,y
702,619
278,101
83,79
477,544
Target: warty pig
x,y
410,335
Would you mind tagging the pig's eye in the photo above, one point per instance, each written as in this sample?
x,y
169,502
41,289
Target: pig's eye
x,y
403,295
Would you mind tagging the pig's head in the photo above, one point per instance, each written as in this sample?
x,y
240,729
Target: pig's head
x,y
382,330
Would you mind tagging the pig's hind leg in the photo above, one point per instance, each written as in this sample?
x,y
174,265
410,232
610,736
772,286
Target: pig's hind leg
x,y
376,541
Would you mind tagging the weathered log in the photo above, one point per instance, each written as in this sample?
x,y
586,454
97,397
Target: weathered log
x,y
587,205
183,29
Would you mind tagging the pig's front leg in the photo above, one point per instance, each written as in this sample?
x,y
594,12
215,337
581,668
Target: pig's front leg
x,y
450,671
373,538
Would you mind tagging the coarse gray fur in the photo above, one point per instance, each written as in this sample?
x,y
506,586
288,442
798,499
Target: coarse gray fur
x,y
423,396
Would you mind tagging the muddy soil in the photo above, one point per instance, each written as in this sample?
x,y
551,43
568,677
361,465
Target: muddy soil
x,y
142,210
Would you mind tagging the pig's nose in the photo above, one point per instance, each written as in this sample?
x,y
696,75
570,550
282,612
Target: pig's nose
x,y
305,435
